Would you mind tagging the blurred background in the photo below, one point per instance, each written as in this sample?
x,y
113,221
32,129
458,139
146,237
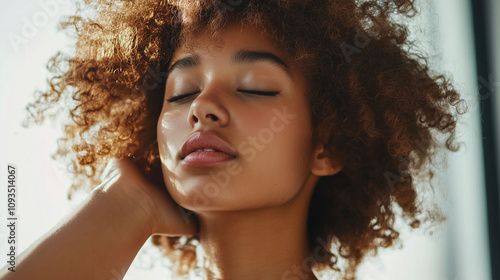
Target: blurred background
x,y
458,36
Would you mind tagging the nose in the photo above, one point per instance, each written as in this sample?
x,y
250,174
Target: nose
x,y
208,109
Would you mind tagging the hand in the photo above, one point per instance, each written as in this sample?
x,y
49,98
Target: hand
x,y
107,230
165,216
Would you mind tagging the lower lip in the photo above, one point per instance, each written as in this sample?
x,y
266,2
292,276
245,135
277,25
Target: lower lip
x,y
206,158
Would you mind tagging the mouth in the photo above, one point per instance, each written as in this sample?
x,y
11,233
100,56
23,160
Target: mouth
x,y
206,149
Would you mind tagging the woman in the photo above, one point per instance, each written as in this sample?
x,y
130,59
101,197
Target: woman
x,y
276,135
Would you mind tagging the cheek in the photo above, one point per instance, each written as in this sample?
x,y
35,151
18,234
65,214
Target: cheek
x,y
290,151
169,136
282,131
277,153
170,139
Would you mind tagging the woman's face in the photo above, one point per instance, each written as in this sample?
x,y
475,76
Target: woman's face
x,y
246,106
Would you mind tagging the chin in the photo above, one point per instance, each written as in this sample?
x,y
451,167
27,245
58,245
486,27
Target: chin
x,y
195,197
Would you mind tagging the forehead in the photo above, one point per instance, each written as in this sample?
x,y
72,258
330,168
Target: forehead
x,y
232,38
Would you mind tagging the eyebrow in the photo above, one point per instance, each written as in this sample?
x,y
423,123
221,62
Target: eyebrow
x,y
243,56
254,56
186,62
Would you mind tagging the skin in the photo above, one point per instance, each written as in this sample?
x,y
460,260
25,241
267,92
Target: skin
x,y
101,238
253,208
251,230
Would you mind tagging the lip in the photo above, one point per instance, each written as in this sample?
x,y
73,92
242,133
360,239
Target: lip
x,y
189,153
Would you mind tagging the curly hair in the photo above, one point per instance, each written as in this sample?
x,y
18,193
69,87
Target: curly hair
x,y
375,105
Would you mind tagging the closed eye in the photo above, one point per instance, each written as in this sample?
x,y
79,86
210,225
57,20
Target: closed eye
x,y
259,92
180,97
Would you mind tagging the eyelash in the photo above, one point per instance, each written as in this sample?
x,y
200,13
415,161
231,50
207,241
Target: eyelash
x,y
255,92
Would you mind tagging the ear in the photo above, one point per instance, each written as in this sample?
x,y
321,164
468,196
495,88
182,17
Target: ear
x,y
322,165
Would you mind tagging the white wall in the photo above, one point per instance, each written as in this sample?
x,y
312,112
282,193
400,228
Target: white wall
x,y
460,251
468,248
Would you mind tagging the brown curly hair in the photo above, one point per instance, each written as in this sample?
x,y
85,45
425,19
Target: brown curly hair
x,y
374,102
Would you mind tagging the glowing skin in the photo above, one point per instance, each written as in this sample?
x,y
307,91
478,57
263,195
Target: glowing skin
x,y
271,165
252,208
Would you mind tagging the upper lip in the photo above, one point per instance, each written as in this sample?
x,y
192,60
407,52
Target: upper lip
x,y
206,140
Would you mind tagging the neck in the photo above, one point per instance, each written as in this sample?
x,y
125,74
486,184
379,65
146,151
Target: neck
x,y
266,243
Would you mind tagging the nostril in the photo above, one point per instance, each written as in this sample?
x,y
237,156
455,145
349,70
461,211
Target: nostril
x,y
208,118
213,117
